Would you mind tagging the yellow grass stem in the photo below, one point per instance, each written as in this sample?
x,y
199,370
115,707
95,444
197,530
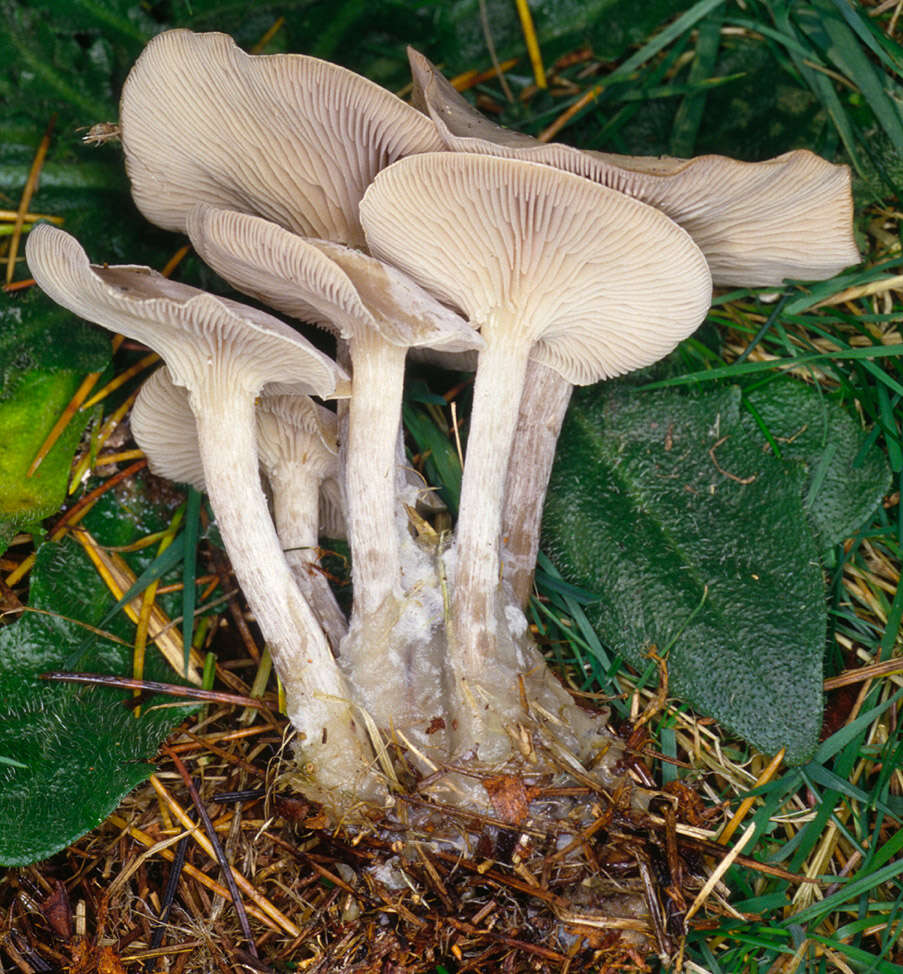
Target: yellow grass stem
x,y
272,31
148,599
718,872
31,185
108,428
588,96
118,578
110,458
65,417
122,378
526,24
467,79
747,803
13,215
188,869
175,260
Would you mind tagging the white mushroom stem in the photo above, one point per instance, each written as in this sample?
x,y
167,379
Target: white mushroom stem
x,y
497,394
374,418
224,353
542,411
296,504
317,696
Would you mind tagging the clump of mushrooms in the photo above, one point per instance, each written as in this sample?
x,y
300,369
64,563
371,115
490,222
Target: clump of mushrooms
x,y
330,200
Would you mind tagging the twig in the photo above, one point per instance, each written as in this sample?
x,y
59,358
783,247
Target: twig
x,y
224,863
152,686
190,870
243,884
169,894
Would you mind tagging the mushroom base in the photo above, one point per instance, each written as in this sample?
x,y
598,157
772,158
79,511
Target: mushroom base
x,y
509,713
565,866
516,781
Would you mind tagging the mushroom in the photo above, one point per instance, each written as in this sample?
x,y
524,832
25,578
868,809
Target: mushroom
x,y
224,353
285,136
163,425
757,224
379,313
549,266
296,448
296,444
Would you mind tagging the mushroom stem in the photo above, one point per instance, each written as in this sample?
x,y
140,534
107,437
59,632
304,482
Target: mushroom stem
x,y
317,695
499,384
542,410
296,504
374,416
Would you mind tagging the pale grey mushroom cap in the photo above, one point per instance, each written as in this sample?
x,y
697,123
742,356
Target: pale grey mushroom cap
x,y
757,223
199,336
380,314
223,354
286,136
296,430
290,428
164,427
328,284
597,282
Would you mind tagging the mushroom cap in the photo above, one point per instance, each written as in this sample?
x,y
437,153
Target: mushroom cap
x,y
164,427
601,283
290,429
343,290
295,430
286,136
201,338
756,222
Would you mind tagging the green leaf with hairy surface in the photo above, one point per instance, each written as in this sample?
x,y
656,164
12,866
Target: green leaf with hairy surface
x,y
26,418
846,478
697,542
74,751
39,337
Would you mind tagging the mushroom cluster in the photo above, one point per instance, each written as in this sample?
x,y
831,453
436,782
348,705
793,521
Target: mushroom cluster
x,y
333,202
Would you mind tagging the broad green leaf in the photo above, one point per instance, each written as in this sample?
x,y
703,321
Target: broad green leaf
x,y
25,420
840,493
82,750
39,337
696,541
766,113
51,68
44,355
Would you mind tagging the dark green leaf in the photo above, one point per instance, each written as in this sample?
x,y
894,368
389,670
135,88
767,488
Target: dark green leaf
x,y
840,493
695,538
26,418
82,750
38,336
